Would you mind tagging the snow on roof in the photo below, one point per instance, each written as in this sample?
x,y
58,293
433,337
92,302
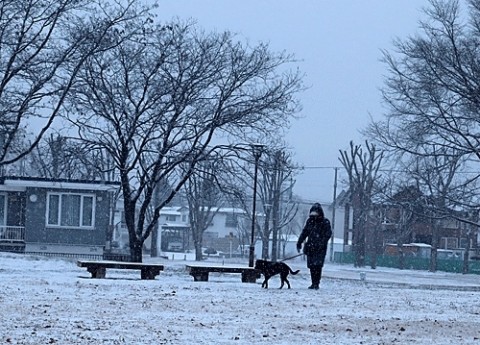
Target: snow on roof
x,y
175,210
423,245
20,184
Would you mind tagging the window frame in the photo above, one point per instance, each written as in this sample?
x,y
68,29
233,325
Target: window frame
x,y
81,214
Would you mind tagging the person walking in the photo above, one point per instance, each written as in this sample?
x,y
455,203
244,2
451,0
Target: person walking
x,y
317,231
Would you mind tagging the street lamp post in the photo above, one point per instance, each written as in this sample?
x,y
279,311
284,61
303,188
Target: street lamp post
x,y
257,152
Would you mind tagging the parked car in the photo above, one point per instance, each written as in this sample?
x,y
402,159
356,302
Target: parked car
x,y
175,246
212,252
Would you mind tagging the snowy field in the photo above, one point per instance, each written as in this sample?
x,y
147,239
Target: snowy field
x,y
52,301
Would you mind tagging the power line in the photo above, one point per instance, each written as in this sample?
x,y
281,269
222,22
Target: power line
x,y
382,170
320,167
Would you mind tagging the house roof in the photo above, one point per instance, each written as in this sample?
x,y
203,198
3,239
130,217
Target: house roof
x,y
173,210
21,183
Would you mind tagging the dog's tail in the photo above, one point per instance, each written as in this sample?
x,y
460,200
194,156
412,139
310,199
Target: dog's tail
x,y
293,272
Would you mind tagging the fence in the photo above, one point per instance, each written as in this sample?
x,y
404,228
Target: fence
x,y
451,265
68,255
12,233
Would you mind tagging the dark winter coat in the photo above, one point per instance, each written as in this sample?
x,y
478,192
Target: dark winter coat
x,y
317,232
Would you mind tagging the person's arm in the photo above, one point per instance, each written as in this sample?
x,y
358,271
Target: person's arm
x,y
327,229
302,237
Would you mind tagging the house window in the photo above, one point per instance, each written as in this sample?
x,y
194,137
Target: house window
x,y
3,206
463,242
231,220
70,210
449,243
184,218
171,218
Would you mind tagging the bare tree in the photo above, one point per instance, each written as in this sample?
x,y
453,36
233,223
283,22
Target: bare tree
x,y
408,203
57,156
277,208
277,171
448,186
159,102
43,45
431,91
432,84
362,169
204,199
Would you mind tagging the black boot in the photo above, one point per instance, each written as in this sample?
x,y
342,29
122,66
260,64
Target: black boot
x,y
312,277
318,276
315,276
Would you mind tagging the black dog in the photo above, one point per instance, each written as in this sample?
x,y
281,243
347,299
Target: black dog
x,y
269,269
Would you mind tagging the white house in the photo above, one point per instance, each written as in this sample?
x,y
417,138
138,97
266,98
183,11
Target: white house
x,y
222,234
174,229
173,224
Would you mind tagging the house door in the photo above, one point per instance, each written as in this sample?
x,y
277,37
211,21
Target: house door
x,y
16,210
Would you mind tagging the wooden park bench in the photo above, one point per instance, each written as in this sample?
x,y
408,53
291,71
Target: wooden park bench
x,y
200,272
98,268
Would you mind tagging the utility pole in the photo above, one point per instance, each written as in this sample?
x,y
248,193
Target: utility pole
x,y
277,185
257,152
334,205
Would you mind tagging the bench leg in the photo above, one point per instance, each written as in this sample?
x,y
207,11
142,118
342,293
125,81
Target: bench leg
x,y
200,276
249,277
97,272
149,273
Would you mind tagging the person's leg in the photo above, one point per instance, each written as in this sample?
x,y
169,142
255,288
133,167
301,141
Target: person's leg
x,y
312,277
311,266
316,274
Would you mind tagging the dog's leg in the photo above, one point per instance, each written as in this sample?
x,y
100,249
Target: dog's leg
x,y
265,282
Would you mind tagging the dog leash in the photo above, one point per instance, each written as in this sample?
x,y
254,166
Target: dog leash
x,y
292,257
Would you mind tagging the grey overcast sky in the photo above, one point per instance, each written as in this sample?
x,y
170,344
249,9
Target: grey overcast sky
x,y
338,43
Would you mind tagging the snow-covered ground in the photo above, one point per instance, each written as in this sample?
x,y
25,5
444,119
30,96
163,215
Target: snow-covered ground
x,y
52,301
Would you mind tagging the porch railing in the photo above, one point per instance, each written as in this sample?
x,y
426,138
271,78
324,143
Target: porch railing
x,y
12,233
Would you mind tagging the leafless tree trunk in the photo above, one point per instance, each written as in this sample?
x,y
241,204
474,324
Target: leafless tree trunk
x,y
161,191
404,228
434,249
